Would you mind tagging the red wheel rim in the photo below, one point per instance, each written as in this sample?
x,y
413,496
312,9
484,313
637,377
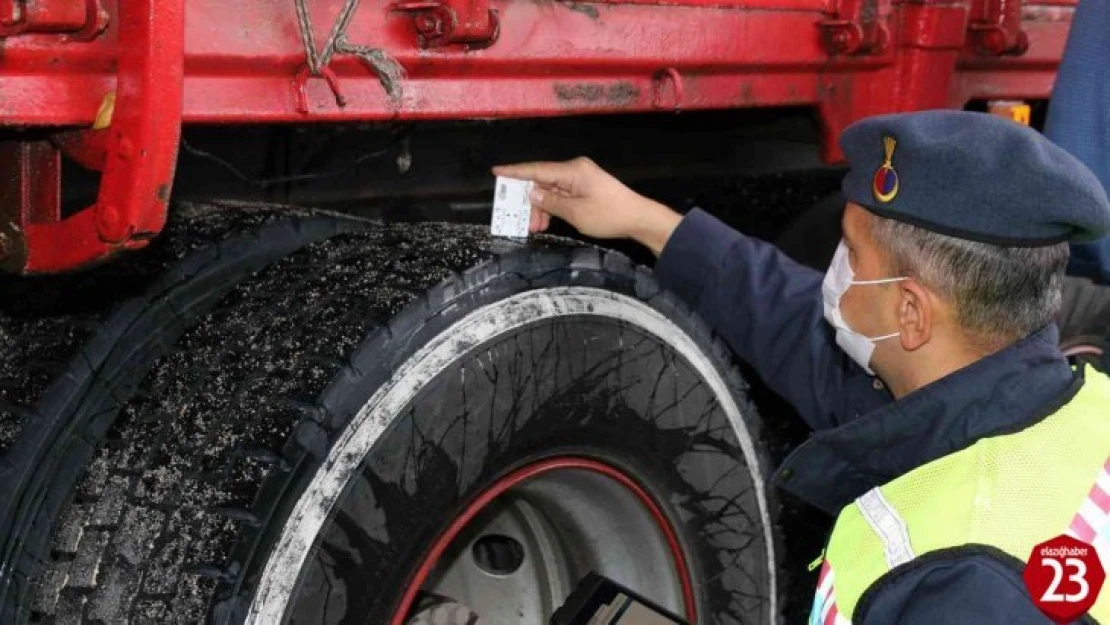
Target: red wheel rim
x,y
520,475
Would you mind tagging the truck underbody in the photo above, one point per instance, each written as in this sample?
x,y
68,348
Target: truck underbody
x,y
108,86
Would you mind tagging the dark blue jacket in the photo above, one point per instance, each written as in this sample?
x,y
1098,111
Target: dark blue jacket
x,y
768,308
1079,116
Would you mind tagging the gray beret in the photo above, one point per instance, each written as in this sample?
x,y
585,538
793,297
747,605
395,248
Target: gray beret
x,y
973,176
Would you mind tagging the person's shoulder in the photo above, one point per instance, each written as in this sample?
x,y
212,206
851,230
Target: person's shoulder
x,y
968,584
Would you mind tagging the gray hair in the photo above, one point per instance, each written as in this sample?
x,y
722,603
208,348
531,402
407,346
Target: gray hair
x,y
1000,294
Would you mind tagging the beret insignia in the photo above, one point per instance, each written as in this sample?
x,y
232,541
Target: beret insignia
x,y
885,183
975,177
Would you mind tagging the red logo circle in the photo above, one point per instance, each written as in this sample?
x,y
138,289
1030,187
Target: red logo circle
x,y
1064,577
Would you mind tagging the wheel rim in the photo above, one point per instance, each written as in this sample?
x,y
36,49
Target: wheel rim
x,y
286,559
522,545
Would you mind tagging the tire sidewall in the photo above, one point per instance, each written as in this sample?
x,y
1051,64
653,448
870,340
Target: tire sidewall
x,y
375,362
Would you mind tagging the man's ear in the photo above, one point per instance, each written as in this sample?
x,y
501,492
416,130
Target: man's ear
x,y
915,314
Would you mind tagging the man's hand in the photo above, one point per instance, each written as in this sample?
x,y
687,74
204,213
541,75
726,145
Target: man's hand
x,y
593,202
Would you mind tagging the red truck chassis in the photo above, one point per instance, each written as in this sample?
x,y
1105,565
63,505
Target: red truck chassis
x,y
109,83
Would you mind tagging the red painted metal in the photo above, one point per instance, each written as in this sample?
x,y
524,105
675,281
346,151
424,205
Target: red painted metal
x,y
87,148
844,58
83,19
469,22
137,154
550,59
996,27
521,475
300,88
857,27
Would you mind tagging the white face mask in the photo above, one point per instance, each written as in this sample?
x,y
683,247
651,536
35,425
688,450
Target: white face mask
x,y
837,282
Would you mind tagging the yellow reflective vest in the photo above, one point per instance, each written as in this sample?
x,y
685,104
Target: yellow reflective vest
x,y
1009,492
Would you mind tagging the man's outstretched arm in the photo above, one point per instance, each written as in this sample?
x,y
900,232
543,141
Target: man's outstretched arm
x,y
764,305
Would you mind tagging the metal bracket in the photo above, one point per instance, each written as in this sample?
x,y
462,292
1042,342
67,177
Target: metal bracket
x,y
858,27
444,22
81,20
995,28
137,154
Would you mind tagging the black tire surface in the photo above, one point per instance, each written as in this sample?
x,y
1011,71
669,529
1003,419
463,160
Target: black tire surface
x,y
59,423
45,320
812,238
1085,315
191,487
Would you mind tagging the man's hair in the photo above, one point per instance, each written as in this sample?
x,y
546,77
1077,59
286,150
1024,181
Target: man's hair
x,y
1000,294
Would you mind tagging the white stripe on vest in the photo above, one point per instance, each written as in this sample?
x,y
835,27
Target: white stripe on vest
x,y
888,525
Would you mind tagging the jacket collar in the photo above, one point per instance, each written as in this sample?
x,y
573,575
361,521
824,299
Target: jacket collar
x,y
1003,392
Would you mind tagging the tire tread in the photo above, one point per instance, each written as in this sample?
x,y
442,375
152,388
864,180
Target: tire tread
x,y
71,413
173,504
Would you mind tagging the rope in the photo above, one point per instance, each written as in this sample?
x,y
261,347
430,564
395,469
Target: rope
x,y
307,38
389,71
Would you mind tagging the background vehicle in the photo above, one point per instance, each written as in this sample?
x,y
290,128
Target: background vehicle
x,y
231,407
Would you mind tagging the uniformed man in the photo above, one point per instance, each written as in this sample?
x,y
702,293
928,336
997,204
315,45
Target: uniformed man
x,y
951,434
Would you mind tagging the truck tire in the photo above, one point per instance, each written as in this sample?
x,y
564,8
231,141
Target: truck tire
x,y
811,239
96,333
45,320
360,432
1085,322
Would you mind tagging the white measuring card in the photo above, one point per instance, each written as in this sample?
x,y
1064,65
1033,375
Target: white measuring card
x,y
512,211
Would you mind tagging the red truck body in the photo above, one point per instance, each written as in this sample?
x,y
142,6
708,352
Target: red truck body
x,y
109,83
